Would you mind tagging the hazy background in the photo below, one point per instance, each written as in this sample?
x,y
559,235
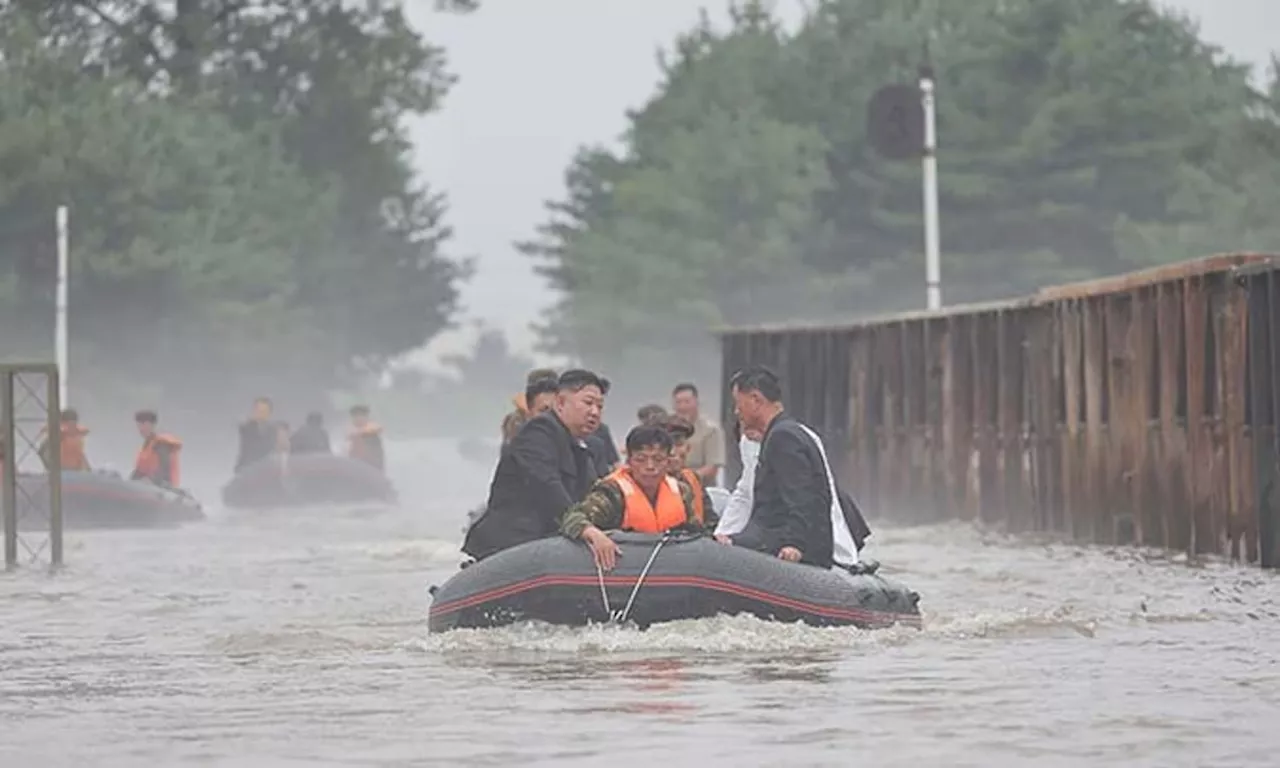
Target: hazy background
x,y
539,79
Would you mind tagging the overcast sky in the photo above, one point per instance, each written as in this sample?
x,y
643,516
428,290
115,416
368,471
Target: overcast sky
x,y
541,77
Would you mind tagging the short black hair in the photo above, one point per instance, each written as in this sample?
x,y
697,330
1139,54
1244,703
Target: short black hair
x,y
758,378
648,436
678,427
651,412
146,417
315,419
541,373
685,386
359,410
541,386
69,414
576,379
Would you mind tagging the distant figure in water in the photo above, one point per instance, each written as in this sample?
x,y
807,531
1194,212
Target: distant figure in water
x,y
257,435
539,395
311,437
71,445
158,457
364,442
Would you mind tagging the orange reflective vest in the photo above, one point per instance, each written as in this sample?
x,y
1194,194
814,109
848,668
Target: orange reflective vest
x,y
151,466
695,483
642,517
71,447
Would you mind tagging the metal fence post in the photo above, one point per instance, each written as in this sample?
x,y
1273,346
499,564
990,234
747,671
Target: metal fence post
x,y
10,484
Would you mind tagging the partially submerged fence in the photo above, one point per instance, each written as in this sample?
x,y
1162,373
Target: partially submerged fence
x,y
1139,409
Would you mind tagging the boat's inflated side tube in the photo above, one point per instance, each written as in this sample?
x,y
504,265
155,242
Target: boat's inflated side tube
x,y
106,500
555,580
310,478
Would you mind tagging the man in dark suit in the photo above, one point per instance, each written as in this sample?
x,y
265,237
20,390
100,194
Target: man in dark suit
x,y
796,510
545,469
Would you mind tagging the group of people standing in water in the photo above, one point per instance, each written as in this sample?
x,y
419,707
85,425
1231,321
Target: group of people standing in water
x,y
262,436
560,473
158,457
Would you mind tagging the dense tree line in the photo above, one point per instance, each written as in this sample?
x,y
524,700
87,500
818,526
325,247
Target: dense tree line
x,y
1078,138
244,212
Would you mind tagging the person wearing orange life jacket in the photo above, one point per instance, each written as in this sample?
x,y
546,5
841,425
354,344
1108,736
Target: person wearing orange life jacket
x,y
681,431
158,457
364,441
539,395
640,496
70,443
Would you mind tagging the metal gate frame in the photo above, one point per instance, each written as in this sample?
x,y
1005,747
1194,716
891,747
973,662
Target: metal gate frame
x,y
20,437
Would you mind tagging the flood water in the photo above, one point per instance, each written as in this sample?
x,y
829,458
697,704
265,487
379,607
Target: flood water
x,y
299,638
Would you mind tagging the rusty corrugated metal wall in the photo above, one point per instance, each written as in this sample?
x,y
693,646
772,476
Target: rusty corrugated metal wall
x,y
1139,409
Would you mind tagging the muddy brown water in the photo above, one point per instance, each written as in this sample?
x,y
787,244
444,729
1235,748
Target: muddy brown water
x,y
298,638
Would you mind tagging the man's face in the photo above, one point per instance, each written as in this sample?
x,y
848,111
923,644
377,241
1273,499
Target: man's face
x,y
678,454
685,403
261,410
649,466
543,402
747,407
580,411
359,420
146,429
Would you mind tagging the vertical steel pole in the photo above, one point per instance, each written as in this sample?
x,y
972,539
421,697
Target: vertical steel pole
x,y
60,303
54,426
932,265
9,487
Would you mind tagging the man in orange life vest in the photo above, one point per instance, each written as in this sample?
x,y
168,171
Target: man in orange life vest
x,y
158,457
71,443
364,442
640,496
681,431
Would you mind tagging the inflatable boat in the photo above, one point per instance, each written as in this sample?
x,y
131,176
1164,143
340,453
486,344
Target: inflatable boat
x,y
104,500
660,579
303,479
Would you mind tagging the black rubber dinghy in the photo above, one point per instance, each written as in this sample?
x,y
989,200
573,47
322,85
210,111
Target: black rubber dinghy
x,y
315,478
104,500
555,580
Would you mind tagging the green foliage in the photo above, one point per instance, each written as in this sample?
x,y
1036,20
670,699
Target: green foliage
x,y
239,178
1077,138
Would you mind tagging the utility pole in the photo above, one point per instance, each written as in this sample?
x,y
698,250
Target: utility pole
x,y
60,323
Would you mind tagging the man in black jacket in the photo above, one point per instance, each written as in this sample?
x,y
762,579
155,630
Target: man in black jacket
x,y
545,469
793,513
258,435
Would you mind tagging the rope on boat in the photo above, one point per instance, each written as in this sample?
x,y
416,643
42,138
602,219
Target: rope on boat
x,y
620,617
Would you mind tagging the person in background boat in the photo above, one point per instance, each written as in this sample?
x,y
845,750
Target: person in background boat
x,y
364,442
738,510
544,470
680,432
796,510
157,459
706,447
71,450
311,437
651,414
284,444
641,496
257,435
538,396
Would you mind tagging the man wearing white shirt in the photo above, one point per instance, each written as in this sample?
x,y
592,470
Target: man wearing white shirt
x,y
796,512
